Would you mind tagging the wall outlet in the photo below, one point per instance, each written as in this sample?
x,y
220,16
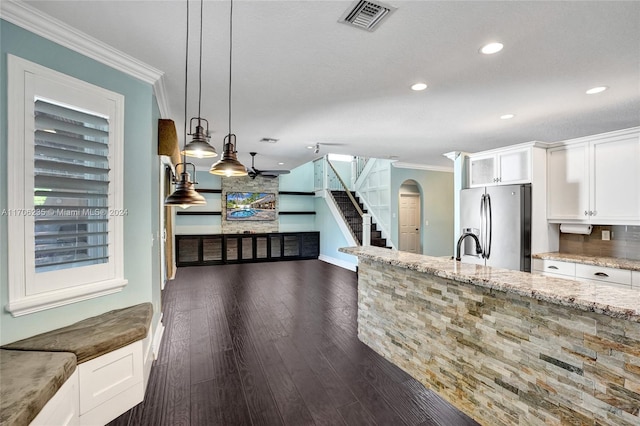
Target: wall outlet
x,y
606,235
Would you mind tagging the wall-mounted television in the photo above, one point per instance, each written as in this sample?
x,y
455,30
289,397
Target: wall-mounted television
x,y
251,206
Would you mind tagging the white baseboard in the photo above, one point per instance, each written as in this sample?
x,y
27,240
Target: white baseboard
x,y
338,262
157,338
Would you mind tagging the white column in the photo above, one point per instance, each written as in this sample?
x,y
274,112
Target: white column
x,y
366,229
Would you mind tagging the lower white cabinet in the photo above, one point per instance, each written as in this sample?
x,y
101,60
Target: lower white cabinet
x,y
554,268
635,279
63,409
586,273
101,389
111,384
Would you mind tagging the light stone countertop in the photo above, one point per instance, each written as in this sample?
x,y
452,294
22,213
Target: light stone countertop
x,y
609,262
600,298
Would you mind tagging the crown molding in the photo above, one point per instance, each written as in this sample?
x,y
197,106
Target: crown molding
x,y
39,23
160,90
401,165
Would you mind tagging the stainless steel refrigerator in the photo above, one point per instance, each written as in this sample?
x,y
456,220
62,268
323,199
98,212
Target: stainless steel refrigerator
x,y
500,216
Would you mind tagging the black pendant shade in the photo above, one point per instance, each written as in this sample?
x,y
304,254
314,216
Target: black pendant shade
x,y
199,146
184,194
229,165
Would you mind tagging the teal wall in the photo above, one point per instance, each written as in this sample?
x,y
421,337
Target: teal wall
x,y
331,238
140,190
437,194
301,180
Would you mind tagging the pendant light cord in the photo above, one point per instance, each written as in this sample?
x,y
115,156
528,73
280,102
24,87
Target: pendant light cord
x,y
200,60
186,79
230,58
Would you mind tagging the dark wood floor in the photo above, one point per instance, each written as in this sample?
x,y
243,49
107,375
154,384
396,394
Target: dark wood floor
x,y
272,344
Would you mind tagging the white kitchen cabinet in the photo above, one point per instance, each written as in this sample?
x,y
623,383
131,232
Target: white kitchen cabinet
x,y
601,274
595,180
568,182
586,273
505,167
555,268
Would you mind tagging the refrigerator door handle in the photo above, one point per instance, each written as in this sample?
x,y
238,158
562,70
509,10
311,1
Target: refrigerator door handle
x,y
482,224
489,225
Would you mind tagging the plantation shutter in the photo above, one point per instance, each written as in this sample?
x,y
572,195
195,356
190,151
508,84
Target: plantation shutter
x,y
71,187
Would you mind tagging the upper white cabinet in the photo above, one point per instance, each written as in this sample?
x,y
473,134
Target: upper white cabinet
x,y
504,167
595,180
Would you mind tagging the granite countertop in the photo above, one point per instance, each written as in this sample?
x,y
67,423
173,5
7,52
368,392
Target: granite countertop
x,y
29,380
609,262
95,336
601,298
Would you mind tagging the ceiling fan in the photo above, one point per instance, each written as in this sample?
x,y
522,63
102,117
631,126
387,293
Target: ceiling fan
x,y
253,172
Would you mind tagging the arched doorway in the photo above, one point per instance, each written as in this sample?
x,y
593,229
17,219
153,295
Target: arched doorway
x,y
409,213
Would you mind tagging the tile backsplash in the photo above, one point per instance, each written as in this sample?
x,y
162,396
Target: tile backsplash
x,y
624,242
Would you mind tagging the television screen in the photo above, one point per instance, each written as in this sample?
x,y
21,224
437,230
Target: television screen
x,y
251,206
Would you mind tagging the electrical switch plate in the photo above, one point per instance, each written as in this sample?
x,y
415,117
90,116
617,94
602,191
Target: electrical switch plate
x,y
606,235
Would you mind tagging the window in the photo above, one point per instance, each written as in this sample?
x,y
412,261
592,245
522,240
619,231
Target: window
x,y
65,210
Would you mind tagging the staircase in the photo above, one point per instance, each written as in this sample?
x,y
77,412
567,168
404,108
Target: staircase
x,y
353,219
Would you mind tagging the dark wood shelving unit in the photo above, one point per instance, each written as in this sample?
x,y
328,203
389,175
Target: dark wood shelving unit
x,y
215,249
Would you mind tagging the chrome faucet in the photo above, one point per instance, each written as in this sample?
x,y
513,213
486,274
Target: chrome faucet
x,y
462,237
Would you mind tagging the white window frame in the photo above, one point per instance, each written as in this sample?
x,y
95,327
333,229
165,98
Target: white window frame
x,y
28,293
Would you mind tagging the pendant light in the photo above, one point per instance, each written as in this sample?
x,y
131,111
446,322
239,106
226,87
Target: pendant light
x,y
185,195
199,147
229,165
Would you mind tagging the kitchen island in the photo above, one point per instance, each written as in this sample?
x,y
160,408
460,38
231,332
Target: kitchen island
x,y
505,347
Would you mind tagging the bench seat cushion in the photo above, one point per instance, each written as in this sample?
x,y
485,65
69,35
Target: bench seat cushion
x,y
29,380
95,336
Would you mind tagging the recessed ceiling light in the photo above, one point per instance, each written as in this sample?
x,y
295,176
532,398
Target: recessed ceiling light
x,y
280,163
507,116
491,48
419,86
310,147
595,90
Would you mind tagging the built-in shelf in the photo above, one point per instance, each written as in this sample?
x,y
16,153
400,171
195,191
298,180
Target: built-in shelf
x,y
296,193
294,213
219,191
199,213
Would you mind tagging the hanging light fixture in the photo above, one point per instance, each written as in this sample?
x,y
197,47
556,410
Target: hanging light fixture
x,y
199,147
229,165
185,195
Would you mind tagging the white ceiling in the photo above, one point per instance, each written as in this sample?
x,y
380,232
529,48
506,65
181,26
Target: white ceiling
x,y
302,77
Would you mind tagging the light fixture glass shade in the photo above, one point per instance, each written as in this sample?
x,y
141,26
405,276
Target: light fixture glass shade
x,y
199,147
229,165
184,194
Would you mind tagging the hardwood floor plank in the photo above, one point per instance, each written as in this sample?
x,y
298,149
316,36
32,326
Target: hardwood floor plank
x,y
200,348
316,398
292,407
262,406
370,399
354,414
178,391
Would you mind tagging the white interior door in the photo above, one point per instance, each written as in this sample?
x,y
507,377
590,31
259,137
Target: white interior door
x,y
409,222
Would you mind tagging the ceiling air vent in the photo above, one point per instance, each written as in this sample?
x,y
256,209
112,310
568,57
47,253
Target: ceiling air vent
x,y
366,15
